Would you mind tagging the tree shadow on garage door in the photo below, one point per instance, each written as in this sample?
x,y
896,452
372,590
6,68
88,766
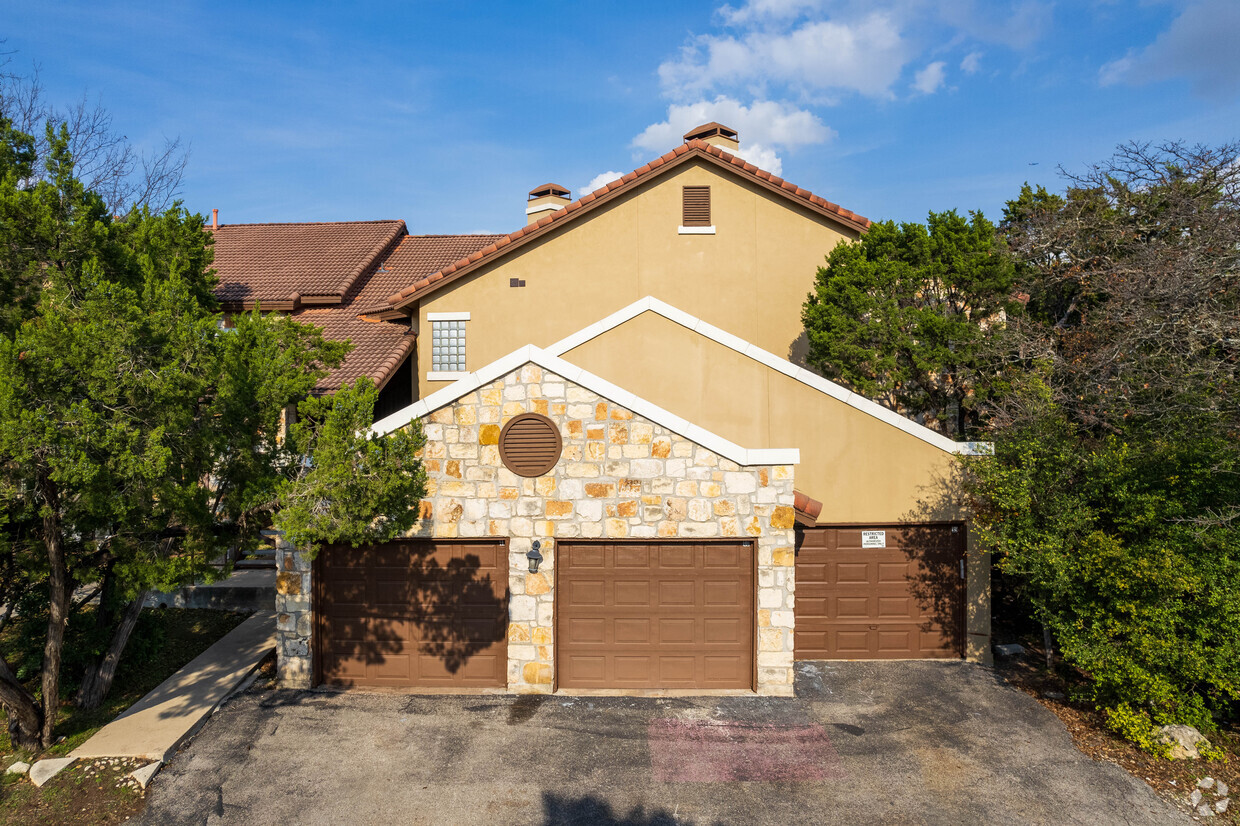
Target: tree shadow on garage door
x,y
935,541
413,612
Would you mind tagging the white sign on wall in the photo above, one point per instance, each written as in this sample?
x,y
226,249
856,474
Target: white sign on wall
x,y
874,539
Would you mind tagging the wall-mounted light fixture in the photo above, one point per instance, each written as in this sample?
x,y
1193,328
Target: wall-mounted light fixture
x,y
534,557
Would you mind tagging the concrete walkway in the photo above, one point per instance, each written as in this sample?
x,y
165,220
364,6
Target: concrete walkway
x,y
156,725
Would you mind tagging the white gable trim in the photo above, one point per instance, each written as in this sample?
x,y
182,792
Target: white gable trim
x,y
528,354
835,391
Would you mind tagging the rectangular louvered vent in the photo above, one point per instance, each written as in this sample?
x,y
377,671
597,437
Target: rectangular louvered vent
x,y
696,206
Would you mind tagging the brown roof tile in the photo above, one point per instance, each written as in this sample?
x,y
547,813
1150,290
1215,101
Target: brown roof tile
x,y
283,262
422,285
380,346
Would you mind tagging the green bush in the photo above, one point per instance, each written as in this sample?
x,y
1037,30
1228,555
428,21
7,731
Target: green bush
x,y
1137,727
1117,544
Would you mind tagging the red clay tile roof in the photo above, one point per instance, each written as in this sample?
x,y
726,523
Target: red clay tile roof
x,y
681,154
280,264
379,347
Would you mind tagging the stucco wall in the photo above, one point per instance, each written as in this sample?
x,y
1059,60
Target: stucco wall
x,y
861,469
750,278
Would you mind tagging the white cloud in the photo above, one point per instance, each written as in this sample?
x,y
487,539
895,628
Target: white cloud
x,y
971,63
764,126
765,10
763,157
928,80
818,57
1198,45
599,180
1017,24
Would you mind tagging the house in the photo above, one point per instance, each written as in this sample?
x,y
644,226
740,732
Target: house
x,y
634,482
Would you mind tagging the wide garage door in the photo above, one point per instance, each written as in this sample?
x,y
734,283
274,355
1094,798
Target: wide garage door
x,y
655,615
413,614
880,592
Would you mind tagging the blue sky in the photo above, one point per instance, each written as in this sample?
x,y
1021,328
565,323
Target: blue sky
x,y
446,114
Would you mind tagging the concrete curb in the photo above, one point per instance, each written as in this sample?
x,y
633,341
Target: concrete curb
x,y
45,770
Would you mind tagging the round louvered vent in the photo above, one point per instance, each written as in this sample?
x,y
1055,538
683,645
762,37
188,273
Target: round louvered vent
x,y
530,444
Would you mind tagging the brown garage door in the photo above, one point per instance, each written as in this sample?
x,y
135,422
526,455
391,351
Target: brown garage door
x,y
901,601
655,615
413,614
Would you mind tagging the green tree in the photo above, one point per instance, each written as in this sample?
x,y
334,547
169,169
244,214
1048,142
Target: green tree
x,y
903,314
1113,497
357,487
140,441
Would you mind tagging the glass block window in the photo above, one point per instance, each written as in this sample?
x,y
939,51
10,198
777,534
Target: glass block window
x,y
448,346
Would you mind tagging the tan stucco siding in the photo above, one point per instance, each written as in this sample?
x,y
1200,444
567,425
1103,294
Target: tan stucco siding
x,y
750,278
861,468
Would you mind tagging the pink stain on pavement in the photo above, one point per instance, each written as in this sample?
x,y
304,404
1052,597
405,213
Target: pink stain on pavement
x,y
709,751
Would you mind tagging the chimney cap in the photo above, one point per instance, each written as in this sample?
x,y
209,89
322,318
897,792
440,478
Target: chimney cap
x,y
710,130
548,189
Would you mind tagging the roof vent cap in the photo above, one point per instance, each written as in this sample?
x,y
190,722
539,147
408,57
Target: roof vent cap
x,y
548,189
716,134
544,200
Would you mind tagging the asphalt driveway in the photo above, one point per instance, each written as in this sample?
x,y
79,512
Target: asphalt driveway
x,y
906,742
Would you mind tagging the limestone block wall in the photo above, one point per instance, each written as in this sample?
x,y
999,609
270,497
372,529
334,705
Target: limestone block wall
x,y
620,476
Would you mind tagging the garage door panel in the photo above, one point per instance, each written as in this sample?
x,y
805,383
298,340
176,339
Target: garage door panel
x,y
586,593
852,642
632,592
633,557
676,556
583,556
633,670
673,593
677,631
811,575
590,668
895,606
852,572
656,630
728,631
632,631
895,641
585,631
727,557
721,594
342,594
898,602
413,613
678,670
893,573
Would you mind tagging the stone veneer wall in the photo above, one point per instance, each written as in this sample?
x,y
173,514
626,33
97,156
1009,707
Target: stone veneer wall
x,y
620,476
294,621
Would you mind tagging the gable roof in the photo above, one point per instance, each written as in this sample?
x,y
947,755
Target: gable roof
x,y
685,153
380,347
551,359
529,354
835,391
286,266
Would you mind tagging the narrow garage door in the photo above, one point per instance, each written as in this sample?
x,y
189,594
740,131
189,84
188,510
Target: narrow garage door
x,y
881,592
413,614
655,615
